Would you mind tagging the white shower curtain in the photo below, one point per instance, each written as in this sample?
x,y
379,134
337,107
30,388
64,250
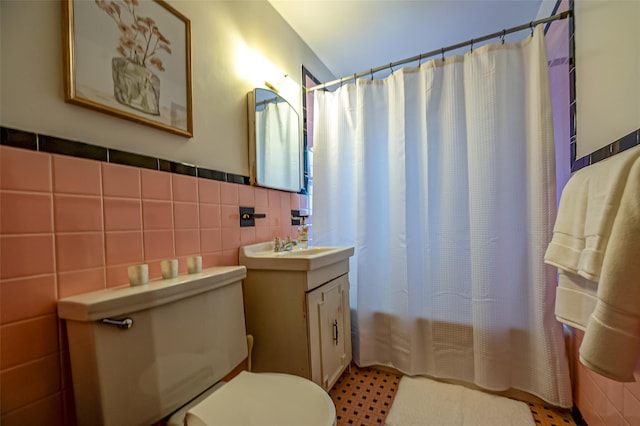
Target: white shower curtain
x,y
276,126
442,177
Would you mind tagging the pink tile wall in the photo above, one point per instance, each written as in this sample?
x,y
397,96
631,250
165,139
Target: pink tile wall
x,y
70,226
603,401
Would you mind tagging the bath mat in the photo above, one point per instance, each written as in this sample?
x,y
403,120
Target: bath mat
x,y
424,402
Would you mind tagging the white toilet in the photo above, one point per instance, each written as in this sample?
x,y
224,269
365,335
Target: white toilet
x,y
141,354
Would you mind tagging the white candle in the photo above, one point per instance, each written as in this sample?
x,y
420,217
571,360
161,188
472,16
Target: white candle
x,y
194,264
169,268
138,274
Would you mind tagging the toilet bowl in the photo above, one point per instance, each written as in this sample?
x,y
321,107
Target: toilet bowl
x,y
143,354
261,399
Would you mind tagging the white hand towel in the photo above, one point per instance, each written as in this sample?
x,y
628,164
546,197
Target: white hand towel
x,y
611,345
597,236
588,207
575,299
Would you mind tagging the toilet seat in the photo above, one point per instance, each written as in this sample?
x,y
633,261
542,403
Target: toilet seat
x,y
265,399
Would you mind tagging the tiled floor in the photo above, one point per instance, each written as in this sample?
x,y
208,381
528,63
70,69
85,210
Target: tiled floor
x,y
550,416
364,396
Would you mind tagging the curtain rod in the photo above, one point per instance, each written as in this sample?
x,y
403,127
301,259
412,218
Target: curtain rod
x,y
441,51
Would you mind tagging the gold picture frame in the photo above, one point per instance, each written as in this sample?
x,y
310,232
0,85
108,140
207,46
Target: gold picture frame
x,y
130,59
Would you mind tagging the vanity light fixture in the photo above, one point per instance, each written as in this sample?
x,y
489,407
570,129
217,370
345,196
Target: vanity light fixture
x,y
271,86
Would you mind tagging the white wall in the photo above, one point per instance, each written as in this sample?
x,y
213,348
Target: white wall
x,y
607,71
31,80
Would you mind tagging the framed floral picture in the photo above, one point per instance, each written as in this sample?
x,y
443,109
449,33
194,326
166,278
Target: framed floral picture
x,y
131,59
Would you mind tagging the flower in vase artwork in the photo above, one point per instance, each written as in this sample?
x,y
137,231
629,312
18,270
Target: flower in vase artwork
x,y
140,47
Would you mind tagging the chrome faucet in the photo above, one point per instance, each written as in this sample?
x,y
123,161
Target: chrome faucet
x,y
283,245
289,244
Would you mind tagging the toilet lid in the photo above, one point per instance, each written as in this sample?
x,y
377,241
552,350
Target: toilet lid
x,y
265,399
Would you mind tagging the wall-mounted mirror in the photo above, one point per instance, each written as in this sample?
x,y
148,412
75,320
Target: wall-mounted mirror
x,y
275,148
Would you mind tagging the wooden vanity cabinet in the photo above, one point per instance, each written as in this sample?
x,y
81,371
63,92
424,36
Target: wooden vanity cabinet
x,y
300,321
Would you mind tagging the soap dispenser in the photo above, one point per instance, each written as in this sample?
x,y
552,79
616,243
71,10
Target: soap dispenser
x,y
303,234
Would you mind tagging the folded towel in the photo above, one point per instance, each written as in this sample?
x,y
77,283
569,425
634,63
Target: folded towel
x,y
611,343
597,237
588,208
575,299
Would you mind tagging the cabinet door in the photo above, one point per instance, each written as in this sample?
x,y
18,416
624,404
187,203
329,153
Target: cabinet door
x,y
329,315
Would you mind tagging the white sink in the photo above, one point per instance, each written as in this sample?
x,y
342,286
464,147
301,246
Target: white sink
x,y
262,256
306,252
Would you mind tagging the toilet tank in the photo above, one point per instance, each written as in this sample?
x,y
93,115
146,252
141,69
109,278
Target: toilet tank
x,y
186,334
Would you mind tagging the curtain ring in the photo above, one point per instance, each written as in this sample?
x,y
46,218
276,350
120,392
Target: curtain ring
x,y
419,60
390,66
442,51
531,26
471,46
504,32
355,77
371,71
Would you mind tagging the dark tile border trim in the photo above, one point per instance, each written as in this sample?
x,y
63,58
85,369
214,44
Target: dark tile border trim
x,y
622,144
129,159
18,139
183,169
212,174
75,149
44,143
52,145
239,179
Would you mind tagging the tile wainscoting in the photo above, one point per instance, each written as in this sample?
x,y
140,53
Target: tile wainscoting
x,y
603,401
72,225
